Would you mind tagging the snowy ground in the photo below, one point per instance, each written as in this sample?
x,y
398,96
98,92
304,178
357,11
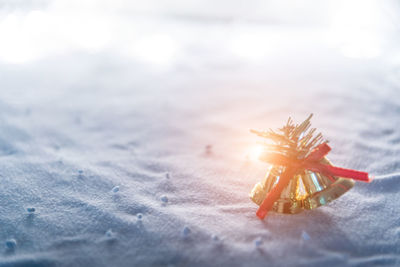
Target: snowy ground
x,y
110,147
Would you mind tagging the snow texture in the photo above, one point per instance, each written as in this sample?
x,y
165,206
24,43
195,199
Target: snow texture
x,y
106,160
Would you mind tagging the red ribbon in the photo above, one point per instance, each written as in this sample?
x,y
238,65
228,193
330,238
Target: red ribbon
x,y
293,166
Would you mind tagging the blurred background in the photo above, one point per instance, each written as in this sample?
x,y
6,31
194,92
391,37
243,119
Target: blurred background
x,y
167,34
185,57
222,66
201,36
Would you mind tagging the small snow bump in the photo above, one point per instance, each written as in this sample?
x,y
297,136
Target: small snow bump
x,y
186,231
305,236
115,189
258,242
164,199
109,233
11,243
215,238
31,209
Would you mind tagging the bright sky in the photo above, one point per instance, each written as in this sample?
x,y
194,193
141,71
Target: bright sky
x,y
155,32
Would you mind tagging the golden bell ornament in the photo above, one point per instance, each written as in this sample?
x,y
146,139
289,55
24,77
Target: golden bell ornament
x,y
308,190
295,147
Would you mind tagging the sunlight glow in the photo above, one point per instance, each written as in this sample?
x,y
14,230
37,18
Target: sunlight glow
x,y
29,36
356,29
253,46
157,49
19,36
255,152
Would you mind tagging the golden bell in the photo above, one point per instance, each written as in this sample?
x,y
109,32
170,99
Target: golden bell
x,y
307,190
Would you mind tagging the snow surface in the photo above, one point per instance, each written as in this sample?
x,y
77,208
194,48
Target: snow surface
x,y
108,160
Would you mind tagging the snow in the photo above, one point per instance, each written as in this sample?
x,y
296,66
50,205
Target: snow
x,y
111,158
186,232
115,189
109,233
305,236
11,244
258,242
215,238
164,199
30,210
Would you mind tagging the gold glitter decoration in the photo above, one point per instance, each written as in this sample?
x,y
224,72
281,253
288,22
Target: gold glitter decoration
x,y
306,190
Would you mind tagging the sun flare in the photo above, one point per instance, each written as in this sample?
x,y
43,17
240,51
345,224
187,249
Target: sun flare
x,y
255,152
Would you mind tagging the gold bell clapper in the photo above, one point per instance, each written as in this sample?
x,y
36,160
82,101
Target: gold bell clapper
x,y
300,176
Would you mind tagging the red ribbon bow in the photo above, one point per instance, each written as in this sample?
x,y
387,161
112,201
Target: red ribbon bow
x,y
293,166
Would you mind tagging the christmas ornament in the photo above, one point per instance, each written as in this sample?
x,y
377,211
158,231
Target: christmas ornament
x,y
300,176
